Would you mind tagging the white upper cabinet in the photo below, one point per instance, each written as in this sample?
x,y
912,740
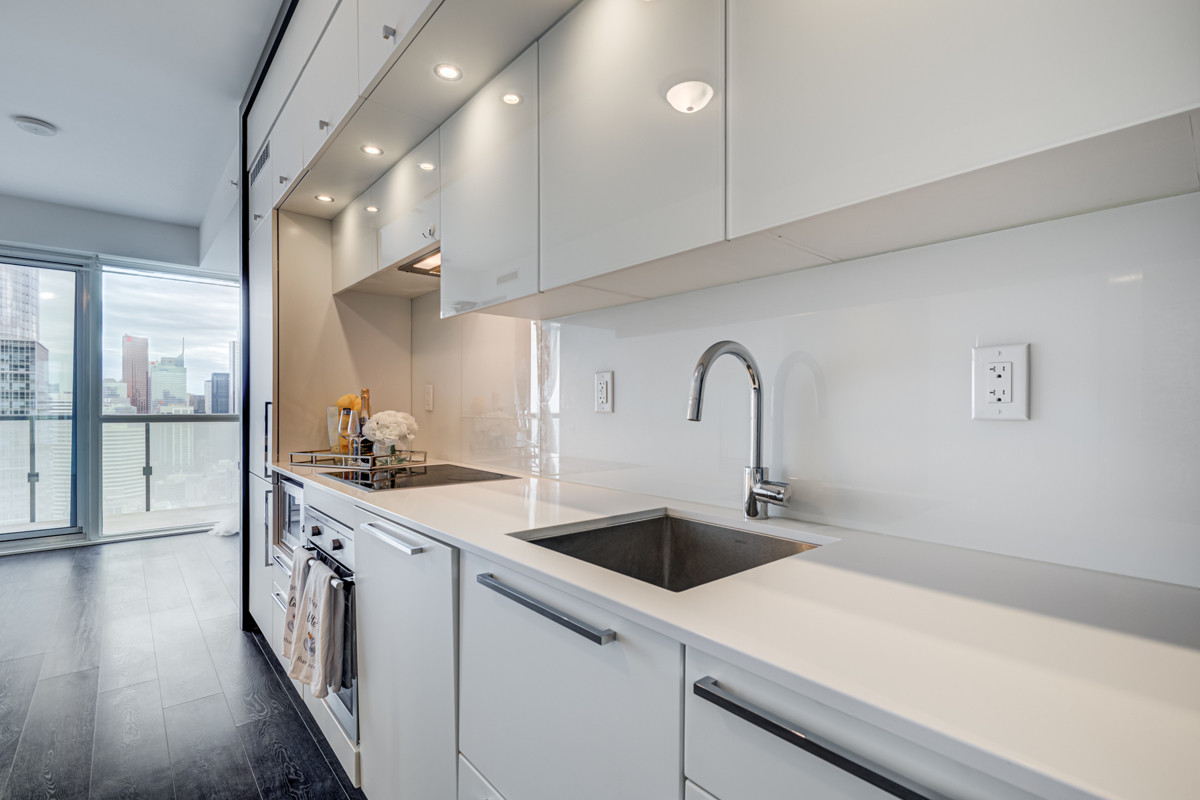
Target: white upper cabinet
x,y
355,248
409,201
308,20
831,104
382,25
262,348
329,86
260,188
490,192
287,150
625,178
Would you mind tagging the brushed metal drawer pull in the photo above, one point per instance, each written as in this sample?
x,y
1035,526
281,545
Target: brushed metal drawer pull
x,y
549,612
282,566
279,601
376,530
707,689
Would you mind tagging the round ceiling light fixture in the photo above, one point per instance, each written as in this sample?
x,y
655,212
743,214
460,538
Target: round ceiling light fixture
x,y
447,72
372,209
38,127
511,99
371,150
427,166
690,96
324,198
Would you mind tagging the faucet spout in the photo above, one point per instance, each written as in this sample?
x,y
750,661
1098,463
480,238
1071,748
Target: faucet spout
x,y
696,401
758,491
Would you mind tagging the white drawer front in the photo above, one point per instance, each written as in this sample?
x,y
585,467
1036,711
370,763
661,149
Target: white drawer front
x,y
734,758
472,785
548,713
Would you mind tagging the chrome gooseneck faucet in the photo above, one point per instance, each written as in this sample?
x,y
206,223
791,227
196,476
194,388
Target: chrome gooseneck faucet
x,y
757,490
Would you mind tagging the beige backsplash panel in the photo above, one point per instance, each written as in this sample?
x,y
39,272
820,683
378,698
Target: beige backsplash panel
x,y
867,369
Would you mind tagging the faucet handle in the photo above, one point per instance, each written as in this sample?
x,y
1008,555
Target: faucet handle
x,y
774,492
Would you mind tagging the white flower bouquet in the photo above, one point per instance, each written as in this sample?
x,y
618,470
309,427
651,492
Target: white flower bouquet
x,y
390,428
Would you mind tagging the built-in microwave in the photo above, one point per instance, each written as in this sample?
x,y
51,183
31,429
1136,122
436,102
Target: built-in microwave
x,y
289,533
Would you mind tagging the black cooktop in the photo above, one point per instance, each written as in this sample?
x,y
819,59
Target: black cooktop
x,y
421,475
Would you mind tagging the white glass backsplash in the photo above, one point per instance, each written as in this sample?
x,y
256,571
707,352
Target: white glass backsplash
x,y
867,369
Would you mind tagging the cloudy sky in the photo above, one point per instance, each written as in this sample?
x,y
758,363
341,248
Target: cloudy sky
x,y
171,313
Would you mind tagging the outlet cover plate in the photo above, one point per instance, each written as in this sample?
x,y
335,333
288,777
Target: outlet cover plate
x,y
995,370
604,392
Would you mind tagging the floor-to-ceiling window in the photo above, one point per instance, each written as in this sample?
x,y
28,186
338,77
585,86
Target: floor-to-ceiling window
x,y
170,390
120,387
37,409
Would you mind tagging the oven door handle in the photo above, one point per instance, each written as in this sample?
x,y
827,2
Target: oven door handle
x,y
377,530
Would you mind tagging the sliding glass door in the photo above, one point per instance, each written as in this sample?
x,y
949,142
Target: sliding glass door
x,y
38,411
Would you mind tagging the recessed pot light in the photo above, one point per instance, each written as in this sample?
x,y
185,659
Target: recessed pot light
x,y
38,127
324,198
371,150
425,165
511,99
447,72
372,209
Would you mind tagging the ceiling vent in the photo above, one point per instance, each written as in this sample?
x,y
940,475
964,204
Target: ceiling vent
x,y
260,162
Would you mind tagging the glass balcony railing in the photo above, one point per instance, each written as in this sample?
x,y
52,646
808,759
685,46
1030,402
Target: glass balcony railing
x,y
36,472
160,475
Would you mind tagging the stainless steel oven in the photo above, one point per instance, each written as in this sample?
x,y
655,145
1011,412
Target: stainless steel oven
x,y
289,532
332,542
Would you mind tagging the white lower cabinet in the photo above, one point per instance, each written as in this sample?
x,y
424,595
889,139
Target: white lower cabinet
x,y
472,785
740,743
406,662
259,567
552,706
693,792
279,595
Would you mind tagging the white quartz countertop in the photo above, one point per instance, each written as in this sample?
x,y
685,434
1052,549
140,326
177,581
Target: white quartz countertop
x,y
1061,681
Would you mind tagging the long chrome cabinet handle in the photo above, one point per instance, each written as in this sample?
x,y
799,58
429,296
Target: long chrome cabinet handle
x,y
549,612
707,689
404,547
267,525
282,565
279,600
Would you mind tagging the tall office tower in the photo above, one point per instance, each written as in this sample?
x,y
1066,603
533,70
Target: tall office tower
x,y
19,288
168,385
208,397
235,377
135,371
220,393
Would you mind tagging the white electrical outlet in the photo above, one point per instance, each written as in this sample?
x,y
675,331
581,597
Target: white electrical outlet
x,y
1000,382
604,392
429,397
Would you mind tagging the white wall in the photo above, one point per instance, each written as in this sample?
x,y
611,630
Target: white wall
x,y
225,199
867,367
80,230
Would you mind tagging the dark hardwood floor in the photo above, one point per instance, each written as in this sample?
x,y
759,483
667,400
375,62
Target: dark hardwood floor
x,y
124,674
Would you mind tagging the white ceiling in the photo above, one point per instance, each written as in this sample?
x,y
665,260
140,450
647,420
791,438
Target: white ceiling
x,y
145,94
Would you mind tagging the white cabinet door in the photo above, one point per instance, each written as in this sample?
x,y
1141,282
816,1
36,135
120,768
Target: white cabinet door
x,y
625,178
382,24
472,785
287,151
741,743
409,201
262,349
278,596
832,104
490,193
547,712
260,188
262,495
354,244
405,586
329,85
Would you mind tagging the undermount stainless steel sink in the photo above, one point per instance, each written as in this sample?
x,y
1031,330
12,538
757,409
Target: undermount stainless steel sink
x,y
671,552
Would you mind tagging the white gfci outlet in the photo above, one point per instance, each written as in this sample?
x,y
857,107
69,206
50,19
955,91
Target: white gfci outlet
x,y
604,392
429,397
1000,382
